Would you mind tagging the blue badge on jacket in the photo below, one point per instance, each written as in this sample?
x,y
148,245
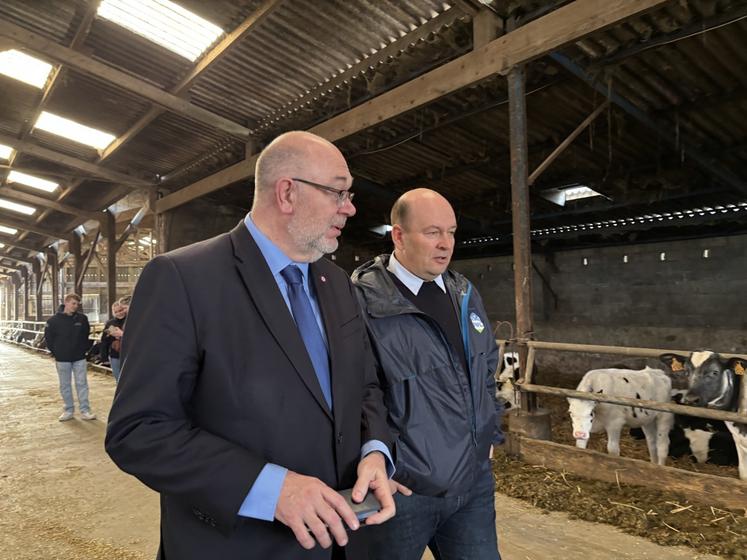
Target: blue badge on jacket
x,y
476,322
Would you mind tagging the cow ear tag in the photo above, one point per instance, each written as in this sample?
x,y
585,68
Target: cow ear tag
x,y
739,368
677,365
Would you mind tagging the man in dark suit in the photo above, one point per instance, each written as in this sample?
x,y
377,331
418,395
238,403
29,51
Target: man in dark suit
x,y
248,392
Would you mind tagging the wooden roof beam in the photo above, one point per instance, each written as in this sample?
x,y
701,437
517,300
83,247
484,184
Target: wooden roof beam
x,y
33,228
20,196
72,162
208,60
537,38
48,49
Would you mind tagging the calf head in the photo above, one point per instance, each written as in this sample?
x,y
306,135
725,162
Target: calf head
x,y
582,417
507,376
711,379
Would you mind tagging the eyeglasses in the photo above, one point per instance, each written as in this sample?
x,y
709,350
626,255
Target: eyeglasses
x,y
341,194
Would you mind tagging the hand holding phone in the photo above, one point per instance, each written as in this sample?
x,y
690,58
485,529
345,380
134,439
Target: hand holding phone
x,y
364,509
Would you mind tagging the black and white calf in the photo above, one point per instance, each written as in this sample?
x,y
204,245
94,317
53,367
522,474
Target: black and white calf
x,y
590,417
706,441
713,382
505,387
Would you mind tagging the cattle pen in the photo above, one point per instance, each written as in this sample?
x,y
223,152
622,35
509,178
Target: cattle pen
x,y
529,432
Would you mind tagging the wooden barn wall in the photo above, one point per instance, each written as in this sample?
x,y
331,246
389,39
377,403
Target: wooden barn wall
x,y
685,301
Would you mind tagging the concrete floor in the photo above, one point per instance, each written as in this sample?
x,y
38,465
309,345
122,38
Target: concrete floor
x,y
62,498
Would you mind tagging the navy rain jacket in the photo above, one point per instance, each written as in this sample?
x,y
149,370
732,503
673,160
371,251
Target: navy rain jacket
x,y
443,418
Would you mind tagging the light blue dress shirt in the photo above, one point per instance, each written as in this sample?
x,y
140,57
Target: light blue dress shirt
x,y
262,499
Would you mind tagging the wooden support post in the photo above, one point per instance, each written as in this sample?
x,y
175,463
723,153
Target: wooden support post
x,y
567,142
25,277
161,222
87,261
39,278
77,263
520,215
16,298
109,226
55,277
486,26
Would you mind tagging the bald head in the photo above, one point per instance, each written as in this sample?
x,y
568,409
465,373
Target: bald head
x,y
402,208
423,228
297,205
289,155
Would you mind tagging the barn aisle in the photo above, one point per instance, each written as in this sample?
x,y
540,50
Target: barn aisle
x,y
62,497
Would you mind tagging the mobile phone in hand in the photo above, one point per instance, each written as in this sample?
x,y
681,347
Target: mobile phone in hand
x,y
366,508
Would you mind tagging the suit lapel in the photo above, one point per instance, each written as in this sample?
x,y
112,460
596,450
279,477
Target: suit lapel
x,y
329,308
264,292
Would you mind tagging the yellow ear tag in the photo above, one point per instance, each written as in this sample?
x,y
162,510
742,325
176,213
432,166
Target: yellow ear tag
x,y
677,365
739,368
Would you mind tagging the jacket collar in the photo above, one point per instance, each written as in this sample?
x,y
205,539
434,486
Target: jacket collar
x,y
383,298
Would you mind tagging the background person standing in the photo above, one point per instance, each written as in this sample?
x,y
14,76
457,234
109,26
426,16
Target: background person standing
x,y
111,337
66,335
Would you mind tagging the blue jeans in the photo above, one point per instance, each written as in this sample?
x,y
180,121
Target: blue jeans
x,y
78,370
116,367
456,527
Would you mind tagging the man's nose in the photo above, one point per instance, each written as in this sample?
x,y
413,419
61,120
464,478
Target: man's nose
x,y
446,241
347,208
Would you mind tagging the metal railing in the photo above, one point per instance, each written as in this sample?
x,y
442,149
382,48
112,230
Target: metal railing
x,y
525,383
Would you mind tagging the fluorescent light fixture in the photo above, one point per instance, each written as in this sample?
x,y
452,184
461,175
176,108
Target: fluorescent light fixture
x,y
80,230
8,230
24,68
561,195
147,241
31,181
381,230
5,151
578,192
15,207
164,23
2,246
74,131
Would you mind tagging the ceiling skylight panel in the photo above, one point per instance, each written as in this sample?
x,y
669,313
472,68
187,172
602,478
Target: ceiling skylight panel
x,y
15,207
25,68
8,230
5,151
164,23
74,131
31,181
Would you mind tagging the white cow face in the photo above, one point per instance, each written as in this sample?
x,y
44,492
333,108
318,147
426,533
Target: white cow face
x,y
582,417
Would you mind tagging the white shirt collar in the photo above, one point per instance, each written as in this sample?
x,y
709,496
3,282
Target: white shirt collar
x,y
412,282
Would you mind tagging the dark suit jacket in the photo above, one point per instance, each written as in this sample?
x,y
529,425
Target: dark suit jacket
x,y
217,382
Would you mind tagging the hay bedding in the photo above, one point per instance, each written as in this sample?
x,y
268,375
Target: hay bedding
x,y
666,519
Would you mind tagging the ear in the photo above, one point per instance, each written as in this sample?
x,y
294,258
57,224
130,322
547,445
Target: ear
x,y
738,365
675,362
397,236
285,195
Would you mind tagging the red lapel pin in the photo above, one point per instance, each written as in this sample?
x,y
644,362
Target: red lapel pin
x,y
323,279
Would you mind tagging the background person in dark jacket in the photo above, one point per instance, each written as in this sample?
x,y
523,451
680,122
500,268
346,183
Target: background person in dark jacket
x,y
66,335
111,337
437,359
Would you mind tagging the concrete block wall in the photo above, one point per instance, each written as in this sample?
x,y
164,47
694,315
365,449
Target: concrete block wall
x,y
684,302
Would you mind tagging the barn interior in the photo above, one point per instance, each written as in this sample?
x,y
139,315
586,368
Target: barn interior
x,y
594,151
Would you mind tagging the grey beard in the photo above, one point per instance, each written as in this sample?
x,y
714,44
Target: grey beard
x,y
311,245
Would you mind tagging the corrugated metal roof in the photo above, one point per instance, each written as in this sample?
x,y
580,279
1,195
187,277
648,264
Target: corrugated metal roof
x,y
692,86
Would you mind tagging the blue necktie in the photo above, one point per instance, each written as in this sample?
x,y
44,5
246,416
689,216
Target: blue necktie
x,y
309,328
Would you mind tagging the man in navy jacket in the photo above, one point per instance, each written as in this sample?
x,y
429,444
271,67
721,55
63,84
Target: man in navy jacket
x,y
66,336
437,358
